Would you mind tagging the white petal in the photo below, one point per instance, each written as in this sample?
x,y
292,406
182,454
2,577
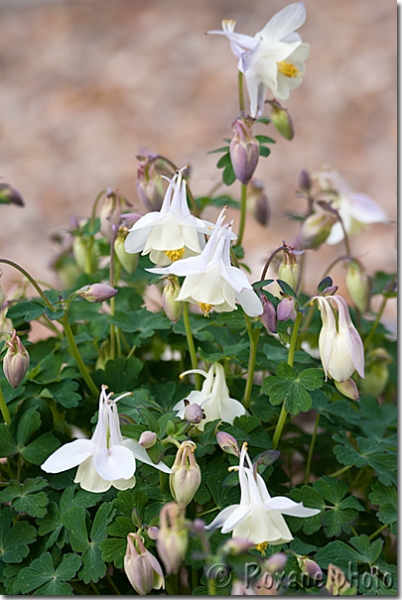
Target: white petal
x,y
286,506
89,479
230,409
143,456
222,516
285,21
124,484
235,518
336,234
116,462
254,88
250,303
68,456
365,210
136,240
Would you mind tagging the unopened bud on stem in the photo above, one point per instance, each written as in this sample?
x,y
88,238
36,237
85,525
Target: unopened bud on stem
x,y
244,151
257,201
359,285
289,270
185,477
281,120
173,537
173,308
97,292
227,443
16,361
268,317
286,309
147,439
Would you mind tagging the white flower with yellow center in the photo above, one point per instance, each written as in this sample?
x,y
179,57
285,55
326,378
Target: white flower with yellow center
x,y
340,345
258,518
171,233
271,59
357,211
106,459
213,398
211,281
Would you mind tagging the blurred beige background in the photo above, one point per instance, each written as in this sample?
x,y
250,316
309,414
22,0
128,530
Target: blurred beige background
x,y
86,83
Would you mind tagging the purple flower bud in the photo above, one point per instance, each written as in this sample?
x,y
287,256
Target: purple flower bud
x,y
147,439
10,195
16,361
310,568
149,183
286,309
227,443
97,292
173,537
141,567
329,291
129,219
193,413
268,317
153,532
258,202
276,562
244,151
304,180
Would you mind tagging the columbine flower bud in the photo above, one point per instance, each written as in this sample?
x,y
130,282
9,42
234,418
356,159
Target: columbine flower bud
x,y
244,151
110,213
149,182
129,219
359,285
172,538
304,180
10,195
310,568
193,413
289,270
227,443
85,254
141,567
281,120
258,202
348,388
97,292
185,477
129,262
242,589
286,309
173,308
376,373
16,361
315,229
153,532
336,583
276,562
147,439
268,317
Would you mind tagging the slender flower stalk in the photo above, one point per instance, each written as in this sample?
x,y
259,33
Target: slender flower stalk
x,y
4,409
76,354
254,336
311,449
243,211
190,344
30,279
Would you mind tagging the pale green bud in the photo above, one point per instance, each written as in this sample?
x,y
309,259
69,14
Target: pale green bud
x,y
129,262
377,372
281,120
173,308
315,229
359,286
85,254
185,477
348,388
289,270
141,567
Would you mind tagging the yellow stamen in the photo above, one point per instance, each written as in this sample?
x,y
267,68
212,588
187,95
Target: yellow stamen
x,y
287,69
205,308
175,254
262,547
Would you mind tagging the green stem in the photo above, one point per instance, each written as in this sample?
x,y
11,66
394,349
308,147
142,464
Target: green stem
x,y
243,208
4,409
240,90
343,470
270,259
254,337
211,587
311,449
378,531
76,354
95,206
30,279
375,323
191,346
207,512
291,356
113,585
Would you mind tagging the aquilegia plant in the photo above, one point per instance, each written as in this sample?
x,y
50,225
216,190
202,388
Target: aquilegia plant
x,y
240,437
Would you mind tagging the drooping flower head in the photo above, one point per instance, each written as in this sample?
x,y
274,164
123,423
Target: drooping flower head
x,y
171,233
356,210
258,518
107,459
141,567
213,398
210,280
273,59
340,345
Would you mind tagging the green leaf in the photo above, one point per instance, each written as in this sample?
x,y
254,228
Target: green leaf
x,y
264,139
37,451
26,497
224,161
291,388
7,444
142,322
264,151
28,424
28,310
65,393
386,499
368,552
14,541
45,579
228,175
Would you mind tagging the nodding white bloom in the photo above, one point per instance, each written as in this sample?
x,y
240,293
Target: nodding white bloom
x,y
106,459
340,345
357,211
258,518
271,59
171,233
213,398
211,281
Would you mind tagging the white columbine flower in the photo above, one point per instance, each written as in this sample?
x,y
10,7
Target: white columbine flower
x,y
258,518
274,58
213,398
341,348
356,210
211,281
106,459
171,233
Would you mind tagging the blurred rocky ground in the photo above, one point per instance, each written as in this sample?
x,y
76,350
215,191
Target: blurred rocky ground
x,y
86,83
